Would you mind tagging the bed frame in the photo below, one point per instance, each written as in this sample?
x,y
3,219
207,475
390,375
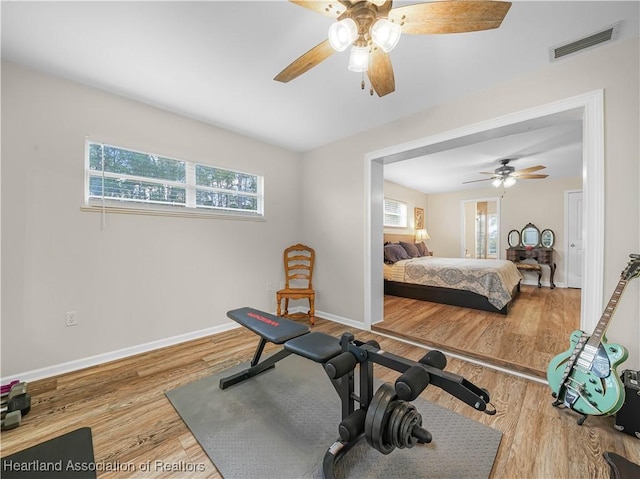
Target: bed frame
x,y
437,294
454,297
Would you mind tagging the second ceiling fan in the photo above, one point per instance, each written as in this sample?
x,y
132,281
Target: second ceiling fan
x,y
372,28
508,176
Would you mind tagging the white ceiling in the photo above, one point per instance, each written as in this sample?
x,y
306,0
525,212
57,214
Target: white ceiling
x,y
557,147
215,61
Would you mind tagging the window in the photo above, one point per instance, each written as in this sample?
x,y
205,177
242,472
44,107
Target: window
x,y
492,245
395,213
132,179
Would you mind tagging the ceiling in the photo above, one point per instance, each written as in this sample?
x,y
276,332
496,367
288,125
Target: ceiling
x,y
557,147
215,61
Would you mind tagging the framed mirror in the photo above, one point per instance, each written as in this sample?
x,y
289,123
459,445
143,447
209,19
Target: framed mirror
x,y
530,235
513,238
547,238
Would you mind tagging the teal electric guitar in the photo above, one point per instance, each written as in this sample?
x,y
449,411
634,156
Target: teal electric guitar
x,y
584,378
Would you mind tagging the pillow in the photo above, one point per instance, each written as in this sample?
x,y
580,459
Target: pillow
x,y
422,249
411,249
393,253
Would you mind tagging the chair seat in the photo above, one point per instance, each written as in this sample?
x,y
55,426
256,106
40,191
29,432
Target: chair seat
x,y
529,266
296,291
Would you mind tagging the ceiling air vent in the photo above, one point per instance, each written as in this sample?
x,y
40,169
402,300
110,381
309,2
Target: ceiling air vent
x,y
590,41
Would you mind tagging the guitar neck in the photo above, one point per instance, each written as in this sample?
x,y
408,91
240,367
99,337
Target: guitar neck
x,y
601,327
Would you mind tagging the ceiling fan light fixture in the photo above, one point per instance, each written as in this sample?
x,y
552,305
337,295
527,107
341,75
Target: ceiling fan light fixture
x,y
385,34
359,59
378,3
342,34
497,182
509,181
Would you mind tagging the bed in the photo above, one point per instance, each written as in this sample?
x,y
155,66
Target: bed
x,y
484,284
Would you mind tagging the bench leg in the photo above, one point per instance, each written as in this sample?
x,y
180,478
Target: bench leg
x,y
268,363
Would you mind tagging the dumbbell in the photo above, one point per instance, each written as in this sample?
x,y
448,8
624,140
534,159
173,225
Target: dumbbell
x,y
5,388
11,420
16,400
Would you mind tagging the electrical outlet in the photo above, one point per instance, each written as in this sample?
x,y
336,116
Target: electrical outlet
x,y
71,318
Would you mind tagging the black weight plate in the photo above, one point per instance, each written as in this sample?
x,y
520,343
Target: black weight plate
x,y
377,418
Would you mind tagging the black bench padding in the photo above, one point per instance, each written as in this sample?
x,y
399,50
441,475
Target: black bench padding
x,y
318,347
272,328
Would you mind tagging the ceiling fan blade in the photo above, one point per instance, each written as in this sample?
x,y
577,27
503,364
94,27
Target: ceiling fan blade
x,y
306,62
380,72
476,181
531,169
331,9
450,17
487,173
531,177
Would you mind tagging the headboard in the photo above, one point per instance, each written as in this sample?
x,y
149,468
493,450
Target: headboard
x,y
396,238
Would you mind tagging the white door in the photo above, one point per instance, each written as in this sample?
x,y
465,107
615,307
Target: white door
x,y
574,239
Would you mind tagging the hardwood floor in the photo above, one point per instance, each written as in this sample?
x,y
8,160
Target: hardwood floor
x,y
134,423
536,329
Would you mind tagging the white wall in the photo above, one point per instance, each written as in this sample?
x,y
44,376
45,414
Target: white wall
x,y
413,199
540,202
341,221
56,258
143,278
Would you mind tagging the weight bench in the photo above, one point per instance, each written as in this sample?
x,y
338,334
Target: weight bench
x,y
270,328
385,419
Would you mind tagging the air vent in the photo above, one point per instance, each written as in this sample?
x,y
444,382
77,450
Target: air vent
x,y
590,41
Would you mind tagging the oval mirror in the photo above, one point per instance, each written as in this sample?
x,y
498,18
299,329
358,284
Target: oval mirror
x,y
513,238
547,238
530,235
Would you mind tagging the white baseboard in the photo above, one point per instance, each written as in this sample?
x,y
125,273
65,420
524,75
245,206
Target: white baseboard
x,y
331,317
339,319
75,365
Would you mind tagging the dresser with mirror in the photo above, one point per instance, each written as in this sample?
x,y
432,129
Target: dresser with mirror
x,y
532,244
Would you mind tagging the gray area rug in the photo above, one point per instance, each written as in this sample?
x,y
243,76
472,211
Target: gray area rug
x,y
280,423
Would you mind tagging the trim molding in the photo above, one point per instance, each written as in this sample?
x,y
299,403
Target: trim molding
x,y
83,363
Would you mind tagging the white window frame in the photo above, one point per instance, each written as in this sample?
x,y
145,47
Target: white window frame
x,y
402,216
151,207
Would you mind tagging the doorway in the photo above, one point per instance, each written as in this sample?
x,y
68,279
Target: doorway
x,y
480,228
588,108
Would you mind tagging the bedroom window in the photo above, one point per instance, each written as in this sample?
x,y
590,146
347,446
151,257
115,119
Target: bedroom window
x,y
395,213
123,178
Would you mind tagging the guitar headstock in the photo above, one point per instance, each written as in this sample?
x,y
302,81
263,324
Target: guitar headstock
x,y
633,268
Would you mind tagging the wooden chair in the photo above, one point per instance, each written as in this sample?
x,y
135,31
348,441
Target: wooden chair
x,y
298,270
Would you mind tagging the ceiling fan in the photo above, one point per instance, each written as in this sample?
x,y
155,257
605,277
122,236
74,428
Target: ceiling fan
x,y
508,176
373,29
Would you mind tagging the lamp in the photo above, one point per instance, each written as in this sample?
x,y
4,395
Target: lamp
x,y
359,59
342,34
385,34
422,234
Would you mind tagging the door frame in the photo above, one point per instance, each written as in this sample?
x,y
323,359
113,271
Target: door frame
x,y
589,107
